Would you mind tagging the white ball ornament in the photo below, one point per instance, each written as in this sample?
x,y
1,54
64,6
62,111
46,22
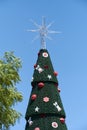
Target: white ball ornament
x,y
45,54
54,125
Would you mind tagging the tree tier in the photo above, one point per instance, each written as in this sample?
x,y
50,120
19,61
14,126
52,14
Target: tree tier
x,y
46,123
48,101
43,69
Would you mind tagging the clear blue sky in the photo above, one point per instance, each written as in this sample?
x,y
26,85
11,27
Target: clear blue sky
x,y
68,50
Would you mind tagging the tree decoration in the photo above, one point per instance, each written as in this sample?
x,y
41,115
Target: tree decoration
x,y
38,53
59,90
46,66
41,85
39,69
37,128
46,99
30,121
57,106
54,125
35,65
45,54
37,109
32,79
62,120
56,84
43,115
33,97
55,73
49,77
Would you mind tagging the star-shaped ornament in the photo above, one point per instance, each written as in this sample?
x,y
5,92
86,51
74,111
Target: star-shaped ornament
x,y
44,32
37,109
49,77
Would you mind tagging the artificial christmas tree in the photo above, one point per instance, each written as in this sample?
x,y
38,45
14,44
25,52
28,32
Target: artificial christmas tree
x,y
45,110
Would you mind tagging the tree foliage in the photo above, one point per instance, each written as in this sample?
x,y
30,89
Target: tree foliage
x,y
9,95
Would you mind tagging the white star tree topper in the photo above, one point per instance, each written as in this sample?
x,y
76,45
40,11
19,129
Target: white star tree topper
x,y
43,32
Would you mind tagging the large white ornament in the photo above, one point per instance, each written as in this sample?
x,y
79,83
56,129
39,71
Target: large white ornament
x,y
45,54
40,70
57,106
54,124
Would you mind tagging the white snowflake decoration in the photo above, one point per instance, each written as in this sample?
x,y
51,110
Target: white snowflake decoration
x,y
49,77
57,106
40,70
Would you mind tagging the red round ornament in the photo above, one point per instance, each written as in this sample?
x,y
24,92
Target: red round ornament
x,y
46,66
34,96
35,65
37,128
38,53
42,115
41,85
62,120
55,73
56,84
59,90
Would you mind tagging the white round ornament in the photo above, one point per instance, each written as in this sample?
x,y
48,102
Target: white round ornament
x,y
54,125
45,54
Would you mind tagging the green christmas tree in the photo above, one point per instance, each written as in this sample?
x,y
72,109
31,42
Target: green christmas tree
x,y
45,110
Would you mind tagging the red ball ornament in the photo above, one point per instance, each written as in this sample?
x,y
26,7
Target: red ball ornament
x,y
37,128
59,90
38,53
55,73
43,115
35,65
56,84
33,97
41,85
46,66
62,120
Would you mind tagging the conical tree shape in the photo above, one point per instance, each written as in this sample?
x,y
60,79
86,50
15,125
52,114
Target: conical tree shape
x,y
45,110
